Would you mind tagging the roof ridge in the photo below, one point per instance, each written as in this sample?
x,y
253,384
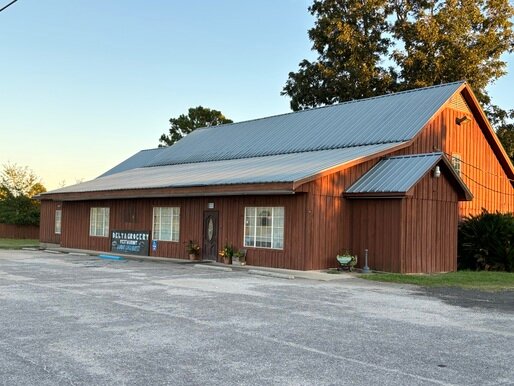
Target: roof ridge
x,y
419,155
154,148
338,104
274,154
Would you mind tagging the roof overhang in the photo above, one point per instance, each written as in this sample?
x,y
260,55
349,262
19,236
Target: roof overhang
x,y
358,189
197,191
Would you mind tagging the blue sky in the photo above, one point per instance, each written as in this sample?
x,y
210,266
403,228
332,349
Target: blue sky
x,y
87,83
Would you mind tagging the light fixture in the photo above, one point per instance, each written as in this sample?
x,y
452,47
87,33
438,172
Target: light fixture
x,y
459,121
437,172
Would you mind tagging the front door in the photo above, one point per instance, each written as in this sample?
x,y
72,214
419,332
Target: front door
x,y
210,235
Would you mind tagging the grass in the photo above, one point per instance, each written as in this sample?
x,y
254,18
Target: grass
x,y
483,280
18,243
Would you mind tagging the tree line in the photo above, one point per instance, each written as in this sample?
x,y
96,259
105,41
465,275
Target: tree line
x,y
18,186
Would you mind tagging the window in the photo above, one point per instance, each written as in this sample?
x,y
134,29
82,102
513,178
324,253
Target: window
x,y
99,222
264,227
166,224
456,162
58,215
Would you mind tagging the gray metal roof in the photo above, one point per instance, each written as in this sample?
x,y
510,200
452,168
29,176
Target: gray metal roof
x,y
276,168
395,174
138,160
389,118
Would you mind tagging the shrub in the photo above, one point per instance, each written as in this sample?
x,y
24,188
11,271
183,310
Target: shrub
x,y
486,242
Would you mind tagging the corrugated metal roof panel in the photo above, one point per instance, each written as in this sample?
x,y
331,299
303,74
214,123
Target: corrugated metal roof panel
x,y
389,118
138,160
276,168
395,174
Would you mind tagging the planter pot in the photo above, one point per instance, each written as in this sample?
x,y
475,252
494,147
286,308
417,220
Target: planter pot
x,y
226,260
192,256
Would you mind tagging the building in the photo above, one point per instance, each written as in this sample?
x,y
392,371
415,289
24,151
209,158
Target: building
x,y
390,174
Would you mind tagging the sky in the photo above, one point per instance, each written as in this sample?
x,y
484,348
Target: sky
x,y
84,84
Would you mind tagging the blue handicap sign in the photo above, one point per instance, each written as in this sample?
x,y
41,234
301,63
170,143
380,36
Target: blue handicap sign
x,y
154,245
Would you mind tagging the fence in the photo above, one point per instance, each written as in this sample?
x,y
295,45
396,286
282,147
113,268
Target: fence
x,y
9,231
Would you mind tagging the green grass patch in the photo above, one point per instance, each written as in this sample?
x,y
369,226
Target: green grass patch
x,y
482,280
18,243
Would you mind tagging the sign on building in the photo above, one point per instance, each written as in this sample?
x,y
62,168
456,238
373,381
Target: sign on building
x,y
130,242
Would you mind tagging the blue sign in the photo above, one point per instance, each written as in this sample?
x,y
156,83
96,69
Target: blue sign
x,y
154,245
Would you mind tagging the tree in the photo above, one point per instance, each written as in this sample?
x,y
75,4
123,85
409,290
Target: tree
x,y
350,39
17,180
445,41
185,124
428,42
18,186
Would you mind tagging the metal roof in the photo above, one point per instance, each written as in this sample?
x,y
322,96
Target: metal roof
x,y
385,119
395,174
138,160
276,168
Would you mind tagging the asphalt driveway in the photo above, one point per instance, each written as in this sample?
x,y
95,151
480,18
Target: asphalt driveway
x,y
82,320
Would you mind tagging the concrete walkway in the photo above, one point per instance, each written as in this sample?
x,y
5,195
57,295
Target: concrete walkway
x,y
255,270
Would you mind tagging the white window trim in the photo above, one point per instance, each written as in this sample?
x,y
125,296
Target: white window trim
x,y
272,228
57,230
172,230
457,160
93,213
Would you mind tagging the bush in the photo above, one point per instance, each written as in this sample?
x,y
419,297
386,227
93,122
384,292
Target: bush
x,y
20,210
486,242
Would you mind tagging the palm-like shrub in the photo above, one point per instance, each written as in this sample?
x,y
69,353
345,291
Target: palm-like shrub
x,y
486,242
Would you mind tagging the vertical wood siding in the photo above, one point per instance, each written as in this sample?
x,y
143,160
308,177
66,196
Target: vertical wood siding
x,y
377,226
75,232
481,170
47,223
11,231
328,222
413,234
430,226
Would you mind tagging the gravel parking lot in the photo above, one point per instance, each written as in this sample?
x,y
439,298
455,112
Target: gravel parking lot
x,y
81,320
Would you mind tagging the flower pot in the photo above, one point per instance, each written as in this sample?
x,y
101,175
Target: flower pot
x,y
192,256
226,260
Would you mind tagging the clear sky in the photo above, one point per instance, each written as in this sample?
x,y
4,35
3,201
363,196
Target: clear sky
x,y
86,83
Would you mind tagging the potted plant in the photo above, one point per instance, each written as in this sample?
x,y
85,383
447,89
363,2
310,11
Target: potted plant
x,y
193,249
227,253
346,260
239,257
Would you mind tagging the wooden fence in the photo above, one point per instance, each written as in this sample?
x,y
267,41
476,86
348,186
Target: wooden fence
x,y
9,231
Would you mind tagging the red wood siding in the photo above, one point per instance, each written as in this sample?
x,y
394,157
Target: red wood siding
x,y
481,170
414,234
231,225
47,223
10,231
328,221
377,226
430,227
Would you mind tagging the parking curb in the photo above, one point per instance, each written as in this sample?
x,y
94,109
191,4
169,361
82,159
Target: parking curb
x,y
270,274
208,266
